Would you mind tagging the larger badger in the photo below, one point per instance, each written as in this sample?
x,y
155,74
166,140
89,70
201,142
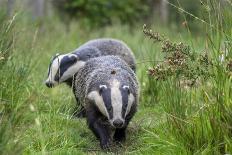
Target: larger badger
x,y
63,67
108,90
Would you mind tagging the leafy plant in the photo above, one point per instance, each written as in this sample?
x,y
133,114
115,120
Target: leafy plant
x,y
199,118
103,12
179,61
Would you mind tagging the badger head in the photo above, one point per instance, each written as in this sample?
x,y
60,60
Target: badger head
x,y
114,101
63,67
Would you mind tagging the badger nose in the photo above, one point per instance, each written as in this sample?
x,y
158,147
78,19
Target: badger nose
x,y
49,84
118,123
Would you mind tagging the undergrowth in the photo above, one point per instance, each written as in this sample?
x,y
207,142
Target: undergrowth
x,y
185,80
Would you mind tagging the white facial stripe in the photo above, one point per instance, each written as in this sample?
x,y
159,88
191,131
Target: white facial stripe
x,y
72,70
116,100
131,99
94,95
54,68
103,86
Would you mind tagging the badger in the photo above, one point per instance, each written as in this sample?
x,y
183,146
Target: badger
x,y
108,91
64,66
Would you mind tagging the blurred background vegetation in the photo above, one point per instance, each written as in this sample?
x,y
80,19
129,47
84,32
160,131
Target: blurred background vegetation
x,y
98,13
184,67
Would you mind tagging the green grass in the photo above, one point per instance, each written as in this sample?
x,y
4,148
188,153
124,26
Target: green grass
x,y
170,119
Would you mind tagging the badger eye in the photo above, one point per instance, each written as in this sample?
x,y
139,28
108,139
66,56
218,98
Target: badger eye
x,y
100,91
128,91
110,109
124,106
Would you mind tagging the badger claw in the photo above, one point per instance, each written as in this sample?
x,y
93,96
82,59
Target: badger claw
x,y
105,145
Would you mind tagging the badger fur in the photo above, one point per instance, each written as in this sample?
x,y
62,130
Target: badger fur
x,y
108,90
63,67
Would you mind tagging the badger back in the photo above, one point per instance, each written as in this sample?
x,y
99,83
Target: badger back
x,y
85,53
109,46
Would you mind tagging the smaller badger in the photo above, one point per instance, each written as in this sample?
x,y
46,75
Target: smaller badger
x,y
63,67
107,88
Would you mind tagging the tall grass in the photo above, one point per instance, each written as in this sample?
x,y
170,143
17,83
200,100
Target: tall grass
x,y
200,117
10,98
171,119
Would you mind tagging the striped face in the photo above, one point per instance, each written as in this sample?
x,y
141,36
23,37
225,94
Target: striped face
x,y
113,101
62,67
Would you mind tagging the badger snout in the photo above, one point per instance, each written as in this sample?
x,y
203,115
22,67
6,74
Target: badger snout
x,y
49,83
118,123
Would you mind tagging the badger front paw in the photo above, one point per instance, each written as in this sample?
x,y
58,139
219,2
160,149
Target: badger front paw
x,y
105,144
119,135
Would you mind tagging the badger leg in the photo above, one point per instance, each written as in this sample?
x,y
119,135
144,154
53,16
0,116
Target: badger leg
x,y
100,130
120,135
79,110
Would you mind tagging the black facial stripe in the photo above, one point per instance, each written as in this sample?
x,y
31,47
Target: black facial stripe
x,y
106,95
64,64
125,95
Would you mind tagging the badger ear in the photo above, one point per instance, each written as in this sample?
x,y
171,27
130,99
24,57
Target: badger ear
x,y
102,88
54,56
127,88
73,57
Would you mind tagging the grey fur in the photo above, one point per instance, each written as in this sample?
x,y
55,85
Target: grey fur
x,y
109,46
91,49
98,71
